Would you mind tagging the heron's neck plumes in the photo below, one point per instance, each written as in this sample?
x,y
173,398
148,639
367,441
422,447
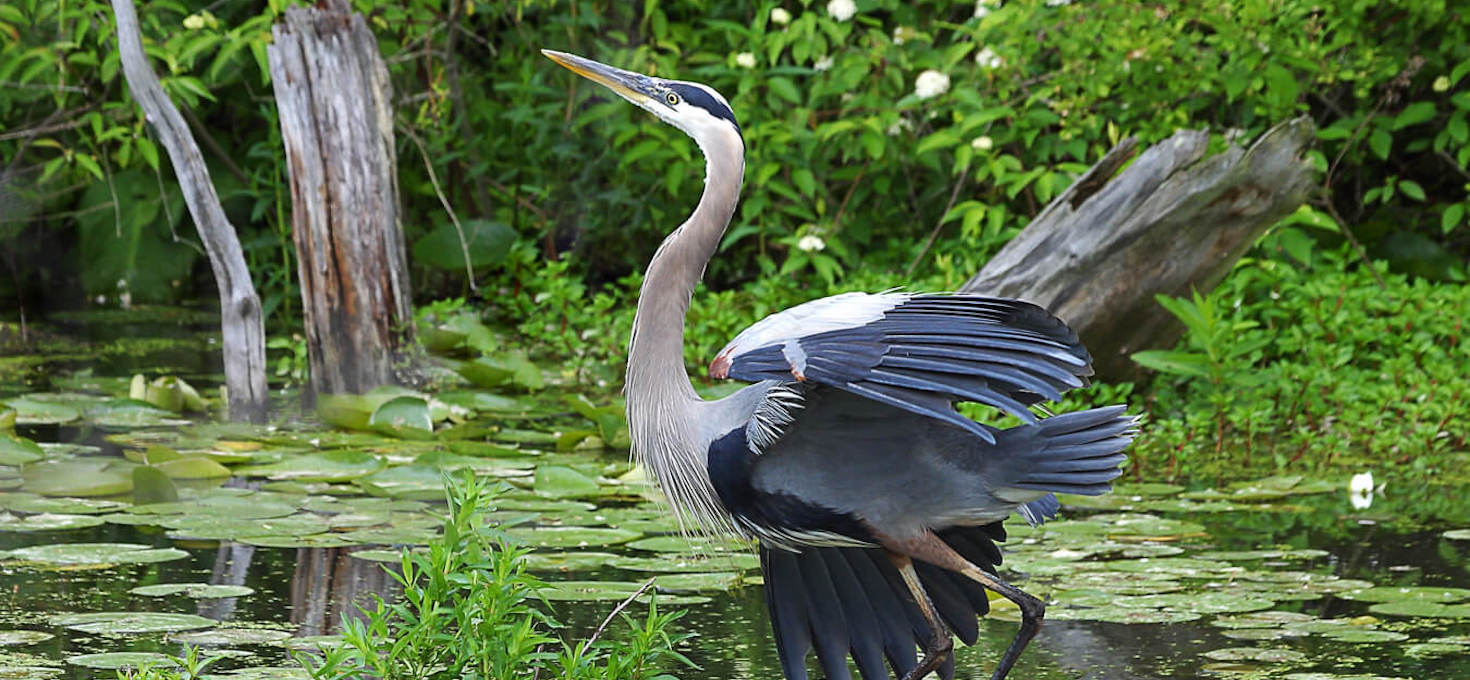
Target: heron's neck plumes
x,y
662,405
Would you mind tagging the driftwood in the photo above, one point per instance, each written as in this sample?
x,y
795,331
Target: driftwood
x,y
335,106
1172,221
241,319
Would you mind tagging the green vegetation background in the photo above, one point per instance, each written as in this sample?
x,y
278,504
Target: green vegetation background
x,y
889,143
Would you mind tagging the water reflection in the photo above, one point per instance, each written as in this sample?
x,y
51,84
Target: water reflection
x,y
329,584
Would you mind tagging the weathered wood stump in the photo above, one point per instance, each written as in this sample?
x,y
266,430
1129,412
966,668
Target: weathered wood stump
x,y
1172,221
241,317
336,113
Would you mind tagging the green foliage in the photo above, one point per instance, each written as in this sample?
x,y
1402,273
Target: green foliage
x,y
187,667
466,612
1290,367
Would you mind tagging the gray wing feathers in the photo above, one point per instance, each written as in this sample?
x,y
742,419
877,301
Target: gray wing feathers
x,y
1069,453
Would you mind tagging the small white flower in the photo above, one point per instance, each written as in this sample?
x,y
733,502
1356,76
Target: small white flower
x,y
1442,84
983,7
1360,491
780,16
823,64
841,10
194,22
899,127
931,83
1057,3
987,58
745,60
811,243
982,143
898,33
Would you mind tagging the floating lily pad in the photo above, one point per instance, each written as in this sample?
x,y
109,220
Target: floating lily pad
x,y
130,413
1421,650
406,417
84,477
689,562
1261,619
1358,634
222,528
97,553
1134,616
558,481
1457,535
29,411
122,660
1256,654
1204,603
67,506
415,482
198,591
1422,608
568,561
329,466
571,537
122,623
1261,634
683,544
192,467
712,581
46,522
231,636
15,638
1407,593
19,450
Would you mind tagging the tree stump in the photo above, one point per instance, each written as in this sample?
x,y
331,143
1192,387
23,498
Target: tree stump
x,y
241,319
1172,221
335,107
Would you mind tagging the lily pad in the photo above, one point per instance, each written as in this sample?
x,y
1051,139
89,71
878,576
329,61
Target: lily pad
x,y
406,417
231,636
122,660
1359,634
130,413
1257,654
1457,534
711,581
329,466
97,553
1407,593
29,411
1261,619
571,537
1123,615
122,623
689,562
1422,608
15,638
198,591
67,506
46,522
79,477
558,481
414,482
682,544
19,450
566,561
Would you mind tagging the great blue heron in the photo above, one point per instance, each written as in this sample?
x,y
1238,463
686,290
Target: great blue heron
x,y
876,505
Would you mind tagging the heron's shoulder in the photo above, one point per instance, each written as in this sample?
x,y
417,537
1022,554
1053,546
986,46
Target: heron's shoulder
x,y
837,312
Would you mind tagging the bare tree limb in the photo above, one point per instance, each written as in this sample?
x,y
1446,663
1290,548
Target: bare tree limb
x,y
241,318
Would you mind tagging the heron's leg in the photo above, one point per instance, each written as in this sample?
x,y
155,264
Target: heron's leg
x,y
940,643
931,549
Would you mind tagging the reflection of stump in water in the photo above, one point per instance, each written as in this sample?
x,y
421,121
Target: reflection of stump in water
x,y
329,584
231,566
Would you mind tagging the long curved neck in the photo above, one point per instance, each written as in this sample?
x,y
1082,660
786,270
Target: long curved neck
x,y
656,374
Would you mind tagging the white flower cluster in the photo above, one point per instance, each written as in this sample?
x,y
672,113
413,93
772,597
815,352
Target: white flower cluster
x,y
984,7
987,58
811,243
780,16
930,84
745,60
841,10
982,143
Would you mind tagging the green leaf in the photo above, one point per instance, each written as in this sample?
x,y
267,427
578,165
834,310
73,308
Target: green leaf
x,y
1175,363
1414,114
406,417
1452,217
783,87
19,451
1411,189
485,242
1380,142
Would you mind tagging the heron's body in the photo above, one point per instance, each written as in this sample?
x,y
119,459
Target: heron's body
x,y
875,503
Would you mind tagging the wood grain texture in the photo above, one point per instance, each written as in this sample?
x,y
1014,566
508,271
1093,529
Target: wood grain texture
x,y
1173,221
335,106
241,319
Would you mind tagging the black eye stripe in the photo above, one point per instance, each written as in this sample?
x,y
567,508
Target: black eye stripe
x,y
695,96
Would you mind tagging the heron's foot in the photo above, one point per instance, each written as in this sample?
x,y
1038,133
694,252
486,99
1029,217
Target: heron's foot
x,y
1033,610
939,648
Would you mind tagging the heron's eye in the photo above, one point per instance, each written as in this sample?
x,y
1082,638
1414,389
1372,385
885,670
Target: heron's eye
x,y
672,99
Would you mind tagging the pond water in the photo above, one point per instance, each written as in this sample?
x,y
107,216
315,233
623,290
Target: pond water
x,y
1273,578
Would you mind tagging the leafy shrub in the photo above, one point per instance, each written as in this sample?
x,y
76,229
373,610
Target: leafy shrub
x,y
1307,367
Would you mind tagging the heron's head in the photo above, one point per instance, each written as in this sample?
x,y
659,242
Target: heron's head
x,y
696,109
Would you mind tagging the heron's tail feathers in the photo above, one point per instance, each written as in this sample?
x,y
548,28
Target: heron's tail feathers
x,y
1076,453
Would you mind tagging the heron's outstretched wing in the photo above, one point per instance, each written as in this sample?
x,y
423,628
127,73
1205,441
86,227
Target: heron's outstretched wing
x,y
852,602
920,353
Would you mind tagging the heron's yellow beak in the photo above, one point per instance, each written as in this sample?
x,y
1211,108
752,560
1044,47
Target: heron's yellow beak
x,y
634,87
